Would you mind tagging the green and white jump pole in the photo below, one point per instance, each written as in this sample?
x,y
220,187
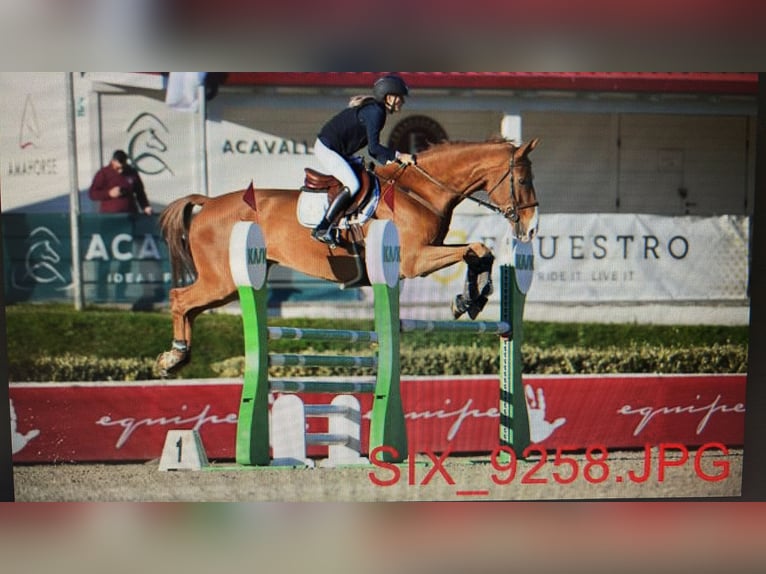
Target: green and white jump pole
x,y
515,280
248,261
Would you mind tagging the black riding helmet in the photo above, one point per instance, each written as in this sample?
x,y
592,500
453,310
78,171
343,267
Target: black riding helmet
x,y
390,84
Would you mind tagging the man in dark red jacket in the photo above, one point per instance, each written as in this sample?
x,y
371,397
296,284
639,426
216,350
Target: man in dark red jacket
x,y
118,187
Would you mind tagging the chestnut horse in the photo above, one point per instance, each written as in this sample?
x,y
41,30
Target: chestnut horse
x,y
420,199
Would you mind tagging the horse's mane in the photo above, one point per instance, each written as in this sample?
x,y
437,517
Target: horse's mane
x,y
455,145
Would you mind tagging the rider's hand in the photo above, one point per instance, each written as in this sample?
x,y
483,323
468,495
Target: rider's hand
x,y
406,158
115,192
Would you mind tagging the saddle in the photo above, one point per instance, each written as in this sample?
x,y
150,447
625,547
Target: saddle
x,y
316,182
319,191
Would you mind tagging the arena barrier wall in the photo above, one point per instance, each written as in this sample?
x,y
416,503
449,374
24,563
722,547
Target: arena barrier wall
x,y
128,421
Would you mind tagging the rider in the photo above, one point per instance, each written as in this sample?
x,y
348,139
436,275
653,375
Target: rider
x,y
352,129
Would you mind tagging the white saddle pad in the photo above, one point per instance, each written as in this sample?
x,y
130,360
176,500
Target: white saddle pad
x,y
312,207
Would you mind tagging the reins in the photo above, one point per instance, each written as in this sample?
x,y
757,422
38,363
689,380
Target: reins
x,y
394,181
510,213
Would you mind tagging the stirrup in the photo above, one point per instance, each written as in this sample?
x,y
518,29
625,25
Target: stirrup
x,y
325,236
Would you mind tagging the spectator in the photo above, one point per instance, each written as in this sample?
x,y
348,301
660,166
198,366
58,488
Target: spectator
x,y
118,187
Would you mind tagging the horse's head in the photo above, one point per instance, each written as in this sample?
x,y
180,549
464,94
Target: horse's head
x,y
450,172
514,194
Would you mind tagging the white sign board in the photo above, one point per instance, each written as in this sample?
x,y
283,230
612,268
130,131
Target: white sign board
x,y
598,258
33,137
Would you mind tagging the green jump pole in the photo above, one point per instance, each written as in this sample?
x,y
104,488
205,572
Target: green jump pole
x,y
514,284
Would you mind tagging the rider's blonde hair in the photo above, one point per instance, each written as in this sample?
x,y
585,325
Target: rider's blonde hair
x,y
357,101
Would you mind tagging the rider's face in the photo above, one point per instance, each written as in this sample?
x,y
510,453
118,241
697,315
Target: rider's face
x,y
394,103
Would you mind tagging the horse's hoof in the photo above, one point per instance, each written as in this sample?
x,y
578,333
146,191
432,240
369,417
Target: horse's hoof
x,y
169,361
459,305
477,307
485,287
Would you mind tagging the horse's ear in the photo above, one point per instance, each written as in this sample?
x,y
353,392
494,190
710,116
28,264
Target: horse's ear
x,y
527,147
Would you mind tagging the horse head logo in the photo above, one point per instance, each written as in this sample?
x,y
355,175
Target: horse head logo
x,y
147,144
42,260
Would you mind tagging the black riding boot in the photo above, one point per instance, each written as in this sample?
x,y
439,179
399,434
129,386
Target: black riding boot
x,y
323,231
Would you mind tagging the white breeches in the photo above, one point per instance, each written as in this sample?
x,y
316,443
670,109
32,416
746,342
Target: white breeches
x,y
334,164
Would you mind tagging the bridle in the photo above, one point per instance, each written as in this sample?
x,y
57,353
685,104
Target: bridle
x,y
511,213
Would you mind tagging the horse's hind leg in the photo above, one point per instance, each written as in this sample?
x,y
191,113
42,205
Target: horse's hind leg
x,y
186,303
178,355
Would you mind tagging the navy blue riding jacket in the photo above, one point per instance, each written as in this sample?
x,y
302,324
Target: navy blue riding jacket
x,y
354,128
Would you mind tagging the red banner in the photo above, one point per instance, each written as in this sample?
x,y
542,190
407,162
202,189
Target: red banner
x,y
53,422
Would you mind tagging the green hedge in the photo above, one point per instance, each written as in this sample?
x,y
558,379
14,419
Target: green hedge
x,y
57,343
440,360
80,368
454,360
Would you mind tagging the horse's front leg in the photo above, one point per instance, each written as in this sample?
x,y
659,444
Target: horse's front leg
x,y
478,282
478,285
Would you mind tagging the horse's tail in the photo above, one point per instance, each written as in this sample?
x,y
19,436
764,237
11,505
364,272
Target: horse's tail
x,y
174,224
